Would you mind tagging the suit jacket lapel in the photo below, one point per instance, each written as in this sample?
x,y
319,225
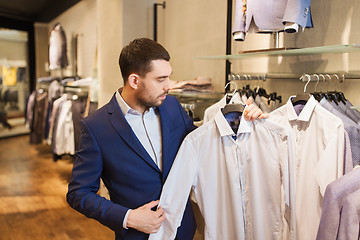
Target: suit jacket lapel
x,y
165,139
122,127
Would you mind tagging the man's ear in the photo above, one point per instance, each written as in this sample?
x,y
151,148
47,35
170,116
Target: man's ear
x,y
133,80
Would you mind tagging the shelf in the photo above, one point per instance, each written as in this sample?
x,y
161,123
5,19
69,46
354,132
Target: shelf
x,y
288,52
197,95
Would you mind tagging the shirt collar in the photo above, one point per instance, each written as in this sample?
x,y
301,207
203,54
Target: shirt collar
x,y
305,114
125,108
324,102
225,129
236,98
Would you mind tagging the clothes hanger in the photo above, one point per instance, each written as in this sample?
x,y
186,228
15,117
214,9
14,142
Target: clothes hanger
x,y
316,94
325,94
230,95
332,94
302,98
233,107
339,95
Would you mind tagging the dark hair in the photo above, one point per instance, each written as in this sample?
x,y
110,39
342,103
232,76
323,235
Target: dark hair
x,y
137,56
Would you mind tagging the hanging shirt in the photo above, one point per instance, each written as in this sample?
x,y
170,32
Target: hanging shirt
x,y
351,128
244,188
347,111
270,16
57,48
355,111
318,156
211,111
54,111
334,199
264,107
65,139
350,217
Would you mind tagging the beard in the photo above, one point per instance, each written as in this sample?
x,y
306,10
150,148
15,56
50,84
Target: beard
x,y
147,101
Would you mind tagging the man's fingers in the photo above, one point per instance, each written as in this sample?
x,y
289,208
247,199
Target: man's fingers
x,y
252,114
264,115
152,204
248,101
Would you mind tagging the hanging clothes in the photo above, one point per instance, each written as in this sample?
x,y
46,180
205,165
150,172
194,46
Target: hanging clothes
x,y
40,110
57,49
350,217
212,110
332,210
356,112
341,107
270,16
65,141
353,131
243,182
318,138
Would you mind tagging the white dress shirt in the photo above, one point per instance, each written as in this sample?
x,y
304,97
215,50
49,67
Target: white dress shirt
x,y
211,111
318,155
243,187
65,139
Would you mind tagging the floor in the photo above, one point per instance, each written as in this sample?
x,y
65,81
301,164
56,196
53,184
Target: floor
x,y
32,196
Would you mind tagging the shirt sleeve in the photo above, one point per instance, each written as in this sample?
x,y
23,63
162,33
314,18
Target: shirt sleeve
x,y
329,222
176,191
288,181
349,220
348,163
331,163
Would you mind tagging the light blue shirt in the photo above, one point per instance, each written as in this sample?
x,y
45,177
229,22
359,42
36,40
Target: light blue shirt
x,y
147,128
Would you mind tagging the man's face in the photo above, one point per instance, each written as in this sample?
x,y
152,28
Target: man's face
x,y
154,87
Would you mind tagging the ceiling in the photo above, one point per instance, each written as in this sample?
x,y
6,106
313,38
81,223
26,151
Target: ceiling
x,y
34,10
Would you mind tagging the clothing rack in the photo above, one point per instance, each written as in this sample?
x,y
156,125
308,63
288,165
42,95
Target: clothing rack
x,y
80,91
313,76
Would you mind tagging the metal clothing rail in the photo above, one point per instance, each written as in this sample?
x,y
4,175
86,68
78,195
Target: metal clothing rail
x,y
305,76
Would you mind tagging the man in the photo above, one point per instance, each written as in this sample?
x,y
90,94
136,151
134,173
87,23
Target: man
x,y
130,143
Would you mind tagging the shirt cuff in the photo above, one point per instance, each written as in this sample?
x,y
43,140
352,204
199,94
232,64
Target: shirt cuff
x,y
125,219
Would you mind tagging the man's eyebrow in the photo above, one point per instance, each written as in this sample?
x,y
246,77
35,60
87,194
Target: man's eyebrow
x,y
162,76
165,76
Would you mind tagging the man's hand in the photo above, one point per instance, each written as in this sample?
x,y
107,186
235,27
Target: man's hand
x,y
144,219
252,112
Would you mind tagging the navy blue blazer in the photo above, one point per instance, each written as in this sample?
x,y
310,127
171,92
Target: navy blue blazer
x,y
110,150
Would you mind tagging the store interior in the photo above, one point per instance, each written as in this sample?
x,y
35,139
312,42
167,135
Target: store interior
x,y
198,36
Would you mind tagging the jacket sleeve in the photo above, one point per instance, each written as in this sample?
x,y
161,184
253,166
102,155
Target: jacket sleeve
x,y
85,182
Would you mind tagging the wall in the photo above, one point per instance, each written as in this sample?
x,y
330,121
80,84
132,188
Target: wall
x,y
41,49
192,29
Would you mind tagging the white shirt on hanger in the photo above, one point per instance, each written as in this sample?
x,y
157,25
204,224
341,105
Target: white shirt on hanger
x,y
65,139
318,137
211,111
244,188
